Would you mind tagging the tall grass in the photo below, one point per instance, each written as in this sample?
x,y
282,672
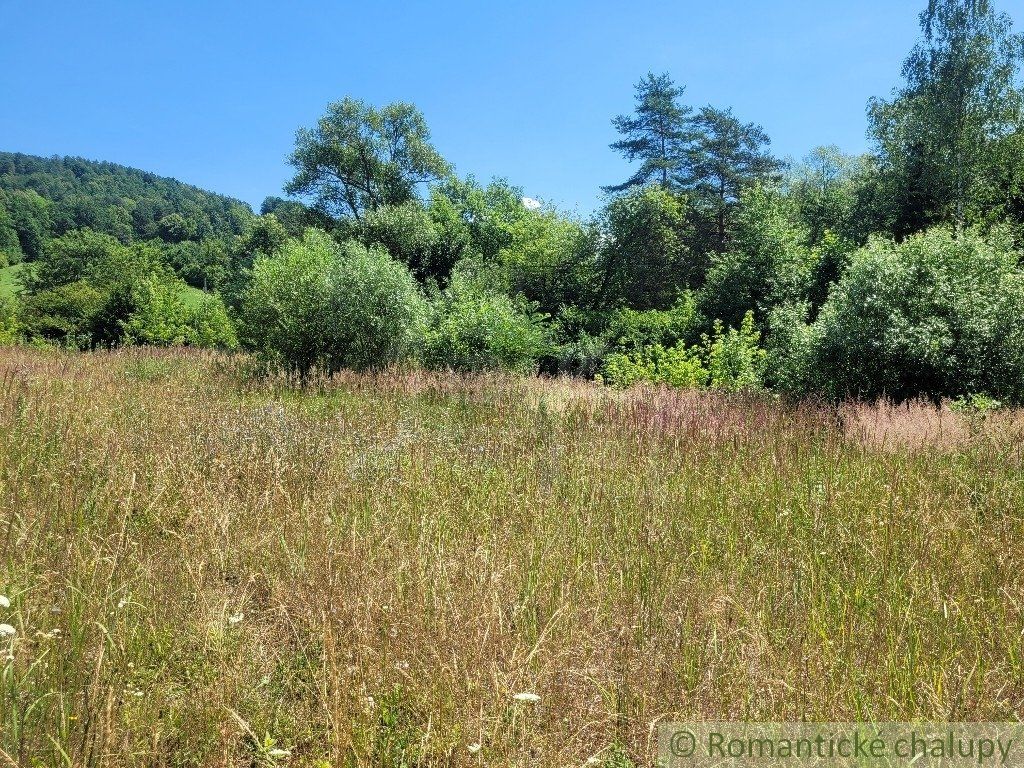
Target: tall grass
x,y
210,569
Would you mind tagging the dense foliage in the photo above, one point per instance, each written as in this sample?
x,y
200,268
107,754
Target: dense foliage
x,y
894,274
318,303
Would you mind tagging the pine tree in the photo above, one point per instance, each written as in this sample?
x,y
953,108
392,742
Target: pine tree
x,y
725,158
656,133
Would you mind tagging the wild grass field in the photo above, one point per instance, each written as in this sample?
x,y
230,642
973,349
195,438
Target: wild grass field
x,y
207,568
10,280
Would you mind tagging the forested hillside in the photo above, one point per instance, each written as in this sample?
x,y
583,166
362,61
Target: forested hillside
x,y
78,238
715,264
126,203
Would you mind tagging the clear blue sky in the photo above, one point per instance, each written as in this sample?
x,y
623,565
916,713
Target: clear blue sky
x,y
211,91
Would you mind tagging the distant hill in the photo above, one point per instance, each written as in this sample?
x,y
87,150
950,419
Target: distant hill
x,y
47,197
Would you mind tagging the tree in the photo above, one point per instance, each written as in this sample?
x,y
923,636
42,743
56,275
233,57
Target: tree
x,y
767,262
936,315
487,213
294,216
537,252
656,133
359,158
317,303
824,188
643,261
10,244
725,158
405,231
960,98
115,200
548,259
77,255
30,215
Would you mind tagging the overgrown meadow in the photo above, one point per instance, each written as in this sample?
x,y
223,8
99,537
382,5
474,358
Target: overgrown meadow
x,y
206,567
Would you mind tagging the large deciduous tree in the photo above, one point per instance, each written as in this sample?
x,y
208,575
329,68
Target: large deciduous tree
x,y
656,134
960,98
359,158
644,260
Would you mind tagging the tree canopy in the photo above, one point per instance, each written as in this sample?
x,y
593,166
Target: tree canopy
x,y
359,158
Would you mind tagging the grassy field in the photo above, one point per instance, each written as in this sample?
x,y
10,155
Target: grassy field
x,y
214,570
10,280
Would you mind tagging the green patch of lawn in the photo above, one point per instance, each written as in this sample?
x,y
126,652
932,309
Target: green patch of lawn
x,y
192,296
11,279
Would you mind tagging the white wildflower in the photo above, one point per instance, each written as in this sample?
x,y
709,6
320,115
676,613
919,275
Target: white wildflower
x,y
6,630
474,748
278,752
5,602
533,698
236,618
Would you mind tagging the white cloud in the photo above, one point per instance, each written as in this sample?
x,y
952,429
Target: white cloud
x,y
530,204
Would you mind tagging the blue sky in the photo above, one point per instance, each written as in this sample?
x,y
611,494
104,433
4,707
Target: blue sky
x,y
211,91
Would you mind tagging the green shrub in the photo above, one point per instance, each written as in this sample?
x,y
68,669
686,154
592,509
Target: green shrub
x,y
317,303
67,314
630,330
210,326
789,365
730,359
676,366
735,361
938,315
470,328
405,231
161,317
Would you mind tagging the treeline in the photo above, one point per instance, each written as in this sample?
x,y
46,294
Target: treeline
x,y
44,198
715,264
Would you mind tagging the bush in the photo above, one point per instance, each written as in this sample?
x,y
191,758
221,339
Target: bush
x,y
67,314
676,366
406,232
318,303
734,359
470,328
730,360
160,317
210,326
938,315
630,331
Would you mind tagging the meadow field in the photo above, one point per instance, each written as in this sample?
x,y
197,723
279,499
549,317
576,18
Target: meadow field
x,y
205,567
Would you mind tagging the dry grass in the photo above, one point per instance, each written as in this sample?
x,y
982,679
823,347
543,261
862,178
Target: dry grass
x,y
205,568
